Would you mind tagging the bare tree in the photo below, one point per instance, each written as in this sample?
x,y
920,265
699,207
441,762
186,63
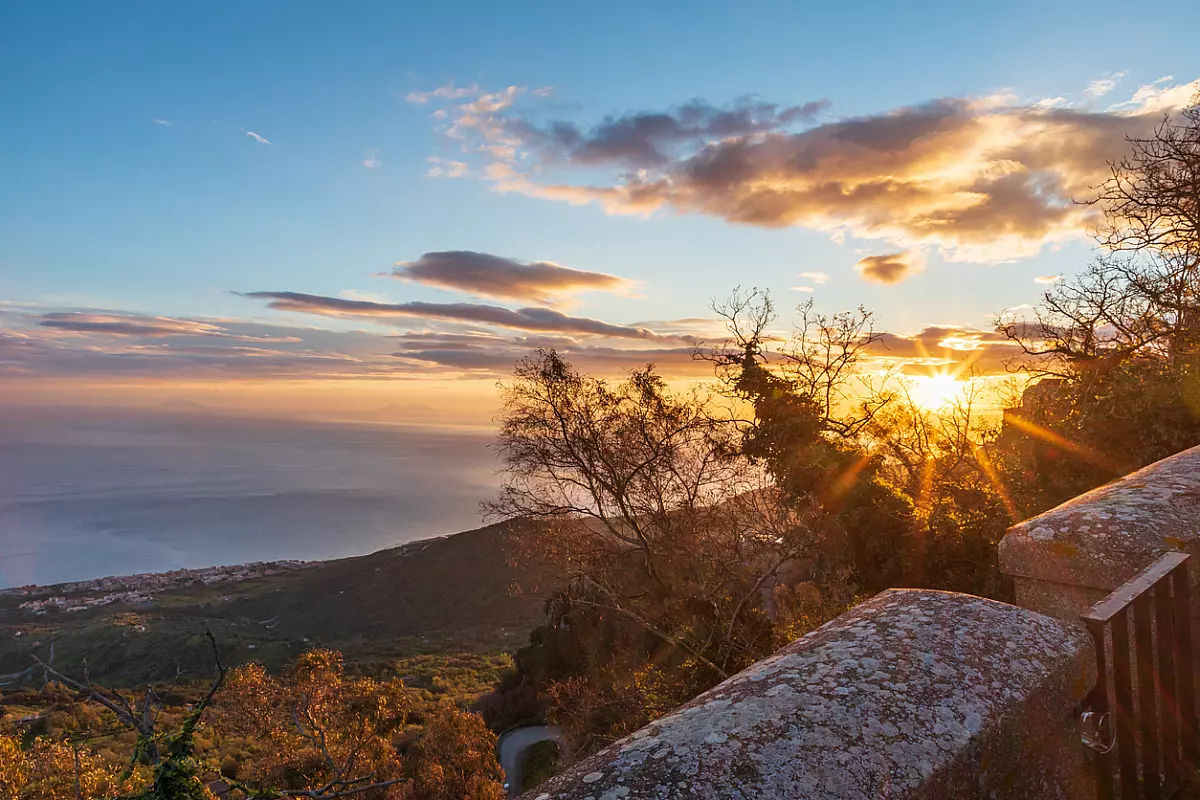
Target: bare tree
x,y
913,440
646,505
820,361
175,772
1151,199
824,359
1140,298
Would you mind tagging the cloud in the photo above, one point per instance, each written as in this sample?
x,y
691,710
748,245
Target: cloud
x,y
933,347
504,278
39,342
1053,102
257,138
93,344
690,329
816,277
802,289
527,319
1159,97
963,348
650,138
977,179
889,268
1102,86
492,102
135,325
481,118
372,160
447,92
445,168
421,340
1047,279
87,344
166,123
371,297
496,355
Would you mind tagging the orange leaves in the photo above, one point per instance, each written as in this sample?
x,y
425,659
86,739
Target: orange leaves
x,y
455,759
316,726
46,771
317,729
15,768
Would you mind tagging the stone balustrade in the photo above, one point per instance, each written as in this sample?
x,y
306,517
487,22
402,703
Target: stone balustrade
x,y
1064,561
921,694
912,694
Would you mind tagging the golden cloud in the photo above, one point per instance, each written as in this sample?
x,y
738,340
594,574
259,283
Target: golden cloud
x,y
978,179
889,268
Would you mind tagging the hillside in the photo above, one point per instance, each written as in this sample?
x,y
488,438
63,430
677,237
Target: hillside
x,y
457,587
451,594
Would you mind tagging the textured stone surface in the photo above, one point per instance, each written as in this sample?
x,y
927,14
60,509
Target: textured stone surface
x,y
913,694
1103,538
1059,600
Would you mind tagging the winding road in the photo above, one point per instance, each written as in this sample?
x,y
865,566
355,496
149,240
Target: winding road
x,y
513,745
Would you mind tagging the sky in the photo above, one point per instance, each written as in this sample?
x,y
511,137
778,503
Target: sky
x,y
296,205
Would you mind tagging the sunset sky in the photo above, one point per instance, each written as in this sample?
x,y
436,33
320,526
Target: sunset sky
x,y
288,205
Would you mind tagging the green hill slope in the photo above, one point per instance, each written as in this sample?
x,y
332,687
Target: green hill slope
x,y
451,594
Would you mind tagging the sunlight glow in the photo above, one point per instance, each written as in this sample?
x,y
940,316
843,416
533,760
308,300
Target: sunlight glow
x,y
935,391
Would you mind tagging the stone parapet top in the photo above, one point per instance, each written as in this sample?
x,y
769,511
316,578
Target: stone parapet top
x,y
913,693
1104,537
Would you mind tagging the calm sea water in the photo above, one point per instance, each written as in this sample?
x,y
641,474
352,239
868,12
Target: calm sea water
x,y
86,494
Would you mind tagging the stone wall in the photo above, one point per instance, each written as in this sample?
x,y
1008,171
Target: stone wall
x,y
913,694
1064,561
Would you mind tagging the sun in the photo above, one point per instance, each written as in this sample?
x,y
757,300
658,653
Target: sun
x,y
935,391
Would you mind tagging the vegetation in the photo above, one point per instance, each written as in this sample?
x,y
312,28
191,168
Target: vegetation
x,y
43,769
375,609
446,651
693,534
314,731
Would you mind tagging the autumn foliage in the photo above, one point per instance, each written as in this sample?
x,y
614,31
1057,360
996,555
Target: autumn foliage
x,y
51,770
314,731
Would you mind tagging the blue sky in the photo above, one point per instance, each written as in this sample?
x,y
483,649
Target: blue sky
x,y
108,213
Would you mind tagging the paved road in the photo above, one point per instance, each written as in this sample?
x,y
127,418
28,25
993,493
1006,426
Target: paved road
x,y
512,747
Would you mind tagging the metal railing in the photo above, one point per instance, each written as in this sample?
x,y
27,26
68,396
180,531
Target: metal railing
x,y
1145,684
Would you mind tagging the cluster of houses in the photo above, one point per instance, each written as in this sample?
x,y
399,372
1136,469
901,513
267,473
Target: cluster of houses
x,y
61,603
140,589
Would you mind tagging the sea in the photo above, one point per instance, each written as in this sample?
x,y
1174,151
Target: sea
x,y
86,493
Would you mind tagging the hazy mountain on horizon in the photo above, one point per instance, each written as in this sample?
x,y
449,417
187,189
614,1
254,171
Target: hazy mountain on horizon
x,y
392,410
185,404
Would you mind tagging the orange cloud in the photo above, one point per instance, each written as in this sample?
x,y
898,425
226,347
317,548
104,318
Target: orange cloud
x,y
143,326
504,278
460,339
889,268
525,319
981,179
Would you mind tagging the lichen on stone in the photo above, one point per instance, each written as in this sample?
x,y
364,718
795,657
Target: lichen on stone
x,y
1104,537
909,688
